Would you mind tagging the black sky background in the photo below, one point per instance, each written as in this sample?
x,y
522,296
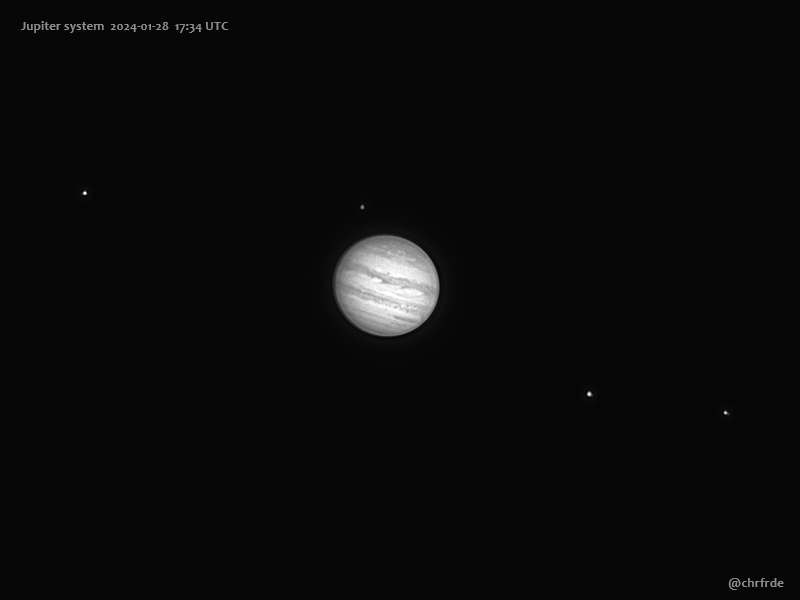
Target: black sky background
x,y
591,208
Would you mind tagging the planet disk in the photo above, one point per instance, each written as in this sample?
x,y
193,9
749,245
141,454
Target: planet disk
x,y
386,285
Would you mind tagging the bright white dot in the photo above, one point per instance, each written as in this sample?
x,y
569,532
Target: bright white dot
x,y
589,394
726,413
362,207
84,193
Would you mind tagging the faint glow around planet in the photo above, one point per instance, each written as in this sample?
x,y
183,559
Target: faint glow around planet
x,y
386,285
725,413
362,207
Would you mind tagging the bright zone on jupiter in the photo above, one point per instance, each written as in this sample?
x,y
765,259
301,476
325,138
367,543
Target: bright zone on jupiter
x,y
386,285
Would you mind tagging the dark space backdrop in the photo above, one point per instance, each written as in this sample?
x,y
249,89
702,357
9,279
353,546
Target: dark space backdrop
x,y
603,215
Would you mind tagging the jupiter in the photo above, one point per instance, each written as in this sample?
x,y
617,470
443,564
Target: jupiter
x,y
386,286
